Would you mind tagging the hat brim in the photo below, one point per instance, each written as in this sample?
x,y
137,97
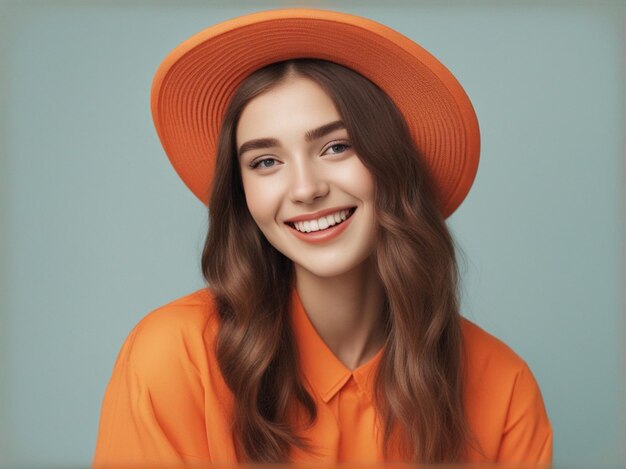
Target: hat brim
x,y
195,82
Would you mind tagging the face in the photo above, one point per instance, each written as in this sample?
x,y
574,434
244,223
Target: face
x,y
300,172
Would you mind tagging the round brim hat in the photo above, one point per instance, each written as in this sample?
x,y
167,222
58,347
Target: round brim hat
x,y
193,86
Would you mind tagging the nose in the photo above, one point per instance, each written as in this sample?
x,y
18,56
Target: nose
x,y
308,183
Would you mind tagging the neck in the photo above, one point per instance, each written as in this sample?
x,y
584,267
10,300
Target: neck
x,y
346,311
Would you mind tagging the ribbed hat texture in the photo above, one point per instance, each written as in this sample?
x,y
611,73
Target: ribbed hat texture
x,y
195,82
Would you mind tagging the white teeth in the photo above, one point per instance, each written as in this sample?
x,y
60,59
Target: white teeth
x,y
321,223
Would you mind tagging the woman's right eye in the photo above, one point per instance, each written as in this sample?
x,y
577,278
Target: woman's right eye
x,y
256,163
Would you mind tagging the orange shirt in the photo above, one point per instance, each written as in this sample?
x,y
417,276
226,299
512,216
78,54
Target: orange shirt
x,y
167,402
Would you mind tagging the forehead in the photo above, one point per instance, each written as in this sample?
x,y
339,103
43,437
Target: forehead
x,y
296,105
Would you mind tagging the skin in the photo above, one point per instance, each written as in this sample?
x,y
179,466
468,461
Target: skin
x,y
336,280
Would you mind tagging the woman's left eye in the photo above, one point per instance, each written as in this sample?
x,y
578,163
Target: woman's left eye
x,y
345,147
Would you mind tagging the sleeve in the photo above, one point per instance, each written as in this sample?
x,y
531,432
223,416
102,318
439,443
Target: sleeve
x,y
153,407
527,435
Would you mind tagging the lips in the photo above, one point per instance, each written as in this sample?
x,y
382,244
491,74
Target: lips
x,y
318,214
323,236
322,223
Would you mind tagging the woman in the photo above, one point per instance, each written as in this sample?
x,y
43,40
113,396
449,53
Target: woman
x,y
330,328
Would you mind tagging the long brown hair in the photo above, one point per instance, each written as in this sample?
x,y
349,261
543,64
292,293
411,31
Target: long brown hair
x,y
419,382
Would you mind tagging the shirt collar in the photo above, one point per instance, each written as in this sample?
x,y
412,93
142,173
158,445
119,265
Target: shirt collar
x,y
322,369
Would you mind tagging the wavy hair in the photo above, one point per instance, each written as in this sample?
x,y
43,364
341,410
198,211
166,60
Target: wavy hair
x,y
419,381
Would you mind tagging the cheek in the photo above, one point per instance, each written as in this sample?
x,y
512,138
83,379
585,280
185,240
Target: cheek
x,y
359,179
365,183
262,199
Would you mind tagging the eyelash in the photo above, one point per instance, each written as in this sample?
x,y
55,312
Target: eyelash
x,y
254,164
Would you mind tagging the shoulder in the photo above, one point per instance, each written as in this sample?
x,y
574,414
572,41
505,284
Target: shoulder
x,y
504,402
492,367
485,352
496,376
189,313
175,333
154,404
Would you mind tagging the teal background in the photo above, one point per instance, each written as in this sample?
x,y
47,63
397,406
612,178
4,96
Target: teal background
x,y
97,230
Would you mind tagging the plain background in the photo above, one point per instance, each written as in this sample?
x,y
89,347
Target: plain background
x,y
97,230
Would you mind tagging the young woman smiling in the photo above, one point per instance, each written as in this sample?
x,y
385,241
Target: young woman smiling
x,y
329,329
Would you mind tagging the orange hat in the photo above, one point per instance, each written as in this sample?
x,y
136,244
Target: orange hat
x,y
195,82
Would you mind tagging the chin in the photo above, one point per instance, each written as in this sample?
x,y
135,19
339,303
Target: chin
x,y
322,272
326,270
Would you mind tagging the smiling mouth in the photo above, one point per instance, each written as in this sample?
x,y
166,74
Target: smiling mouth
x,y
308,227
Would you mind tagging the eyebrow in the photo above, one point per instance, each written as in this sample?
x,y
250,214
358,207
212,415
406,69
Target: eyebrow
x,y
309,136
